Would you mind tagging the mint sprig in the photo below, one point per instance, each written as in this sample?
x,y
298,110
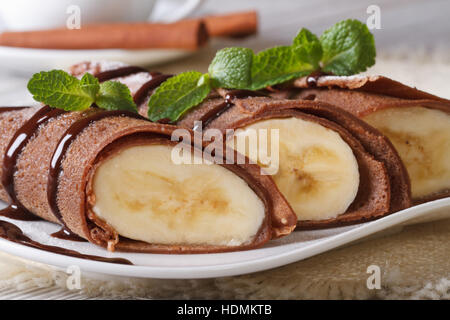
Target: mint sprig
x,y
307,48
277,65
58,89
178,94
90,85
348,48
232,68
113,95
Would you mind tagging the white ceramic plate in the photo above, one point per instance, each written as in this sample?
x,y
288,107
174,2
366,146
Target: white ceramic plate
x,y
29,61
297,246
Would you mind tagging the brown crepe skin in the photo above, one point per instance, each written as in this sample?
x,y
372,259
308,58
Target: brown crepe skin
x,y
374,143
272,227
362,95
371,84
374,198
83,154
14,120
374,194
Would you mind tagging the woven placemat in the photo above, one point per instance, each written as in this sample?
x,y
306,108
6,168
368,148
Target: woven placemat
x,y
414,264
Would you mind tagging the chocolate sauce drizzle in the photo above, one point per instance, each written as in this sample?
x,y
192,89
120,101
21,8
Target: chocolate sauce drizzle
x,y
17,211
157,78
63,145
8,109
311,80
13,233
119,72
153,83
20,139
226,105
65,234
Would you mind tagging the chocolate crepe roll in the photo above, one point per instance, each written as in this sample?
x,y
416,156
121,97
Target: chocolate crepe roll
x,y
416,122
334,169
325,173
108,176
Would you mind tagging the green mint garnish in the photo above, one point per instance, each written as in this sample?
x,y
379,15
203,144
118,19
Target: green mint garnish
x,y
58,89
114,95
308,49
178,94
348,48
277,65
231,68
90,85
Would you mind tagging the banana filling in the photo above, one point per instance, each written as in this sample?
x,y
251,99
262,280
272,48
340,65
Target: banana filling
x,y
422,138
318,172
144,196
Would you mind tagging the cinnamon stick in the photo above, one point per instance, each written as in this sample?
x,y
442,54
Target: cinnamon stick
x,y
238,24
186,34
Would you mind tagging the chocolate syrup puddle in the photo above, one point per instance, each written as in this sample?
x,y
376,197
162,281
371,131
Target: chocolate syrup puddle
x,y
13,233
13,212
119,72
153,83
65,234
227,104
63,145
20,139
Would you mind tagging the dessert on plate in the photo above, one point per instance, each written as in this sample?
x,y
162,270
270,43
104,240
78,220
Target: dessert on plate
x,y
334,169
323,151
107,176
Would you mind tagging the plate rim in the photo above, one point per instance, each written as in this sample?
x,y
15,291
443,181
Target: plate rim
x,y
223,270
12,58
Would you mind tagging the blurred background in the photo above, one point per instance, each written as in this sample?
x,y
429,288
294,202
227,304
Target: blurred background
x,y
413,23
413,42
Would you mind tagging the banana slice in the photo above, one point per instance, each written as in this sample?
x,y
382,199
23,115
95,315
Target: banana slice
x,y
422,138
318,172
144,196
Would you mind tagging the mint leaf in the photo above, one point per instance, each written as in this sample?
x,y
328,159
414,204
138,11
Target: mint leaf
x,y
58,89
231,68
114,95
308,48
90,85
348,48
276,65
177,95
